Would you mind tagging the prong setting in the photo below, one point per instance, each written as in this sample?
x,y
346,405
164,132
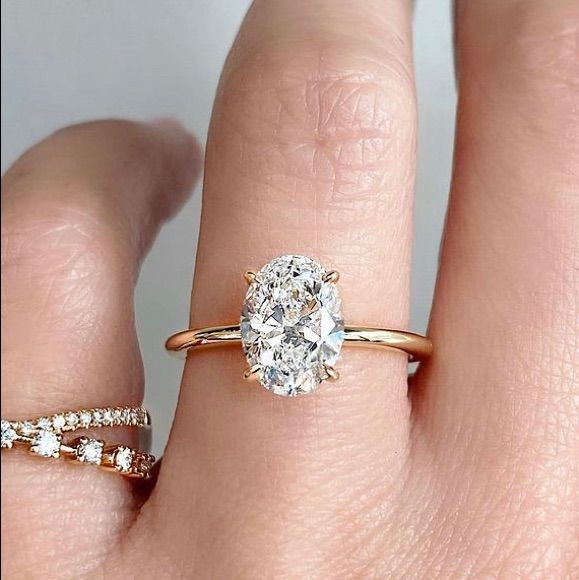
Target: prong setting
x,y
46,444
89,450
252,373
333,374
332,276
249,276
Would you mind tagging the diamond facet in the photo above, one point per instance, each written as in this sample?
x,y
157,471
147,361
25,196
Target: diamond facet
x,y
46,444
90,451
8,434
291,325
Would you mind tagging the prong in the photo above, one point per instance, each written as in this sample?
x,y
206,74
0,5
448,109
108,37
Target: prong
x,y
249,276
333,374
250,373
332,276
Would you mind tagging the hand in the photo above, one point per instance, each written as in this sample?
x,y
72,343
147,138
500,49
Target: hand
x,y
473,472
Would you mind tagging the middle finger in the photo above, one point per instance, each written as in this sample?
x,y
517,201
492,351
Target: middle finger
x,y
311,152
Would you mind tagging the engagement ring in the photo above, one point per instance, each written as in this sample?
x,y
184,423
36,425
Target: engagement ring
x,y
292,329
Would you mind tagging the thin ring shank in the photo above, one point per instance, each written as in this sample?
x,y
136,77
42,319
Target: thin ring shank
x,y
416,346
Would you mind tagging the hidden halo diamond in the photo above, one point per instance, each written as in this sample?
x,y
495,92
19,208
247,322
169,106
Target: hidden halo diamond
x,y
291,325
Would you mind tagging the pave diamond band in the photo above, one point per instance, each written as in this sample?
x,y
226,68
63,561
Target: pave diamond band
x,y
69,421
292,329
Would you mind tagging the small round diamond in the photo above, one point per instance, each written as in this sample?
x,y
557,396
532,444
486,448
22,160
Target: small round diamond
x,y
108,417
116,416
85,418
44,423
72,419
58,422
46,444
90,451
291,325
8,434
27,428
124,459
97,417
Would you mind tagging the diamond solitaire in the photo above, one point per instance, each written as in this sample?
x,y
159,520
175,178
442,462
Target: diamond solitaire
x,y
292,330
291,325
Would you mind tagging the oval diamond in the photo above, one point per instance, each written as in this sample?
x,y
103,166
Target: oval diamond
x,y
291,325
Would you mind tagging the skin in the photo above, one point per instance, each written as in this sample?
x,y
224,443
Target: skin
x,y
473,472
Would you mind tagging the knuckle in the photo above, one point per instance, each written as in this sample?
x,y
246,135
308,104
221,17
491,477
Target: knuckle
x,y
112,126
58,237
540,48
328,115
527,79
543,40
69,143
83,137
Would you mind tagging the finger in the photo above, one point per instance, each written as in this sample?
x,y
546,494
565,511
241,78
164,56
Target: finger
x,y
311,152
503,386
79,210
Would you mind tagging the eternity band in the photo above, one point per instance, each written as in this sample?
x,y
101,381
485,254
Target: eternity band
x,y
69,421
292,328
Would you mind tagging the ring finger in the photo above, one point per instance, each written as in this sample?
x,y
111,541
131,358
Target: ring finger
x,y
311,152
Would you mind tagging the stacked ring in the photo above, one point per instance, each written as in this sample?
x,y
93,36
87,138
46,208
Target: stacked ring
x,y
81,419
44,437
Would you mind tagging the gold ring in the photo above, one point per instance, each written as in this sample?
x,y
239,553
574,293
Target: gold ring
x,y
44,437
292,328
69,421
121,459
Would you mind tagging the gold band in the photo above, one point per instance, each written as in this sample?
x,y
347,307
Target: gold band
x,y
124,460
416,346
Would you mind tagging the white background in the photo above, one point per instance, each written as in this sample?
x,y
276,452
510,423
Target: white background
x,y
65,61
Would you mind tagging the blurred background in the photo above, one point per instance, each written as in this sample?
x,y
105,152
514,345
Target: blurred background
x,y
65,61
